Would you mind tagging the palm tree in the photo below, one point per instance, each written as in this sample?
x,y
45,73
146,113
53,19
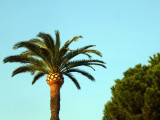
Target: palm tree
x,y
43,56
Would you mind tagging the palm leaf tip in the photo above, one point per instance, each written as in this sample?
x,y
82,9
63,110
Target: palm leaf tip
x,y
21,69
37,76
80,36
74,80
5,60
16,46
10,59
77,37
40,34
57,32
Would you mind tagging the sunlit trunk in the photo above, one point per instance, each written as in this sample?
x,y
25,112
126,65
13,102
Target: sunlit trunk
x,y
55,101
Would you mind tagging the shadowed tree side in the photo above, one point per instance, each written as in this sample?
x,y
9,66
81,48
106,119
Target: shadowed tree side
x,y
43,55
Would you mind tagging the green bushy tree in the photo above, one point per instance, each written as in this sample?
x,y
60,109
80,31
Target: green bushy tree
x,y
137,95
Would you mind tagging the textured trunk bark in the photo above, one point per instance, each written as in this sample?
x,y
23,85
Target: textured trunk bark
x,y
55,101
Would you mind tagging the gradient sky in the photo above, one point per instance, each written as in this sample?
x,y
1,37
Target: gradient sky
x,y
127,32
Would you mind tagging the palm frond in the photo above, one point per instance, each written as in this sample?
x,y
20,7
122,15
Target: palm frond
x,y
36,49
93,51
48,40
37,76
66,45
56,57
65,48
89,56
38,42
77,63
74,80
28,53
29,68
98,64
66,68
57,39
74,53
21,69
24,59
90,67
88,75
16,58
41,52
76,38
85,64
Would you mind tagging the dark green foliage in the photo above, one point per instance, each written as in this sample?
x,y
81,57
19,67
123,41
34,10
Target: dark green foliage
x,y
137,95
44,55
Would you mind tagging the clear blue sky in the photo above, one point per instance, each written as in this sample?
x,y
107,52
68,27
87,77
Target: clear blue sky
x,y
127,32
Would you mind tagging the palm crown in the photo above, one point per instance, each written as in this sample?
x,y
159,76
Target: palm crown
x,y
44,56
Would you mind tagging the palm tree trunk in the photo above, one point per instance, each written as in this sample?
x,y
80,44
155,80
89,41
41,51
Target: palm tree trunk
x,y
55,101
